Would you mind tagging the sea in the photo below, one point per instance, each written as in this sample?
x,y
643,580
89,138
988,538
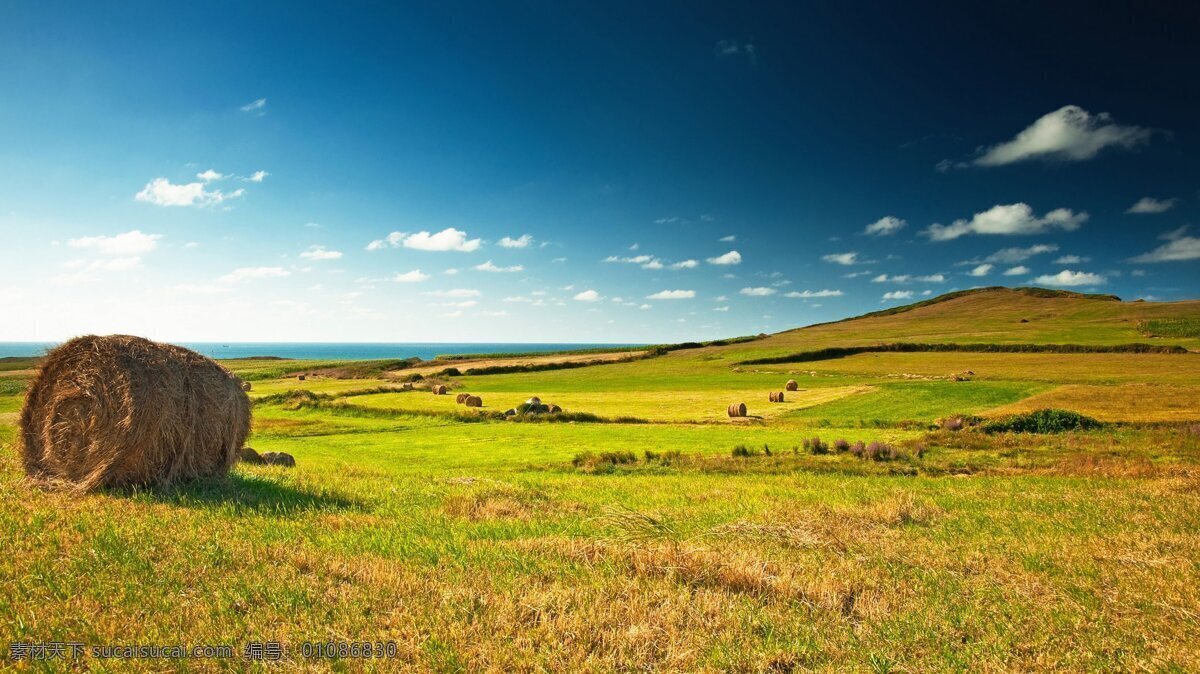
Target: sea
x,y
336,350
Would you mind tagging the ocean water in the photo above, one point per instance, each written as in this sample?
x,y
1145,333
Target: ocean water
x,y
333,350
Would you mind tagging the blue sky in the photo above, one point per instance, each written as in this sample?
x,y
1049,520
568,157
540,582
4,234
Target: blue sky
x,y
569,172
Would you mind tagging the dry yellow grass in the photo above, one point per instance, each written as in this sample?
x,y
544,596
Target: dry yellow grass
x,y
1126,402
464,365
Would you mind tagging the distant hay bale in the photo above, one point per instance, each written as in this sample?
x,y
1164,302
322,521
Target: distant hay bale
x,y
737,410
461,398
510,412
406,386
534,401
245,386
125,411
248,455
554,409
301,377
473,401
792,385
438,389
777,396
278,459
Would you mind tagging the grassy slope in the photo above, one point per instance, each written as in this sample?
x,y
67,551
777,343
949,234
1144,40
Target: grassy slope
x,y
478,545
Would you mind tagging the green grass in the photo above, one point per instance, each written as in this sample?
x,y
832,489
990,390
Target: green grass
x,y
1173,327
478,544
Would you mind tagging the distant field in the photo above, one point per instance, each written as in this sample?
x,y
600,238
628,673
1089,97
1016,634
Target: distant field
x,y
691,542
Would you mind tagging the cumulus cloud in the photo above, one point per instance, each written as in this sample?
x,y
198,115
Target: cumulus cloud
x,y
732,257
1179,246
522,241
449,239
885,226
808,294
981,270
162,192
1068,278
414,276
842,258
588,296
672,295
1067,134
1008,219
757,292
393,240
258,176
685,264
133,242
898,295
1019,270
248,273
210,175
488,266
1152,205
318,253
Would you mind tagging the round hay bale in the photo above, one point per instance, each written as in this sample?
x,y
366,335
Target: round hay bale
x,y
121,411
461,398
554,409
301,377
792,385
438,389
510,412
779,396
534,401
737,410
278,459
474,401
771,396
248,455
245,386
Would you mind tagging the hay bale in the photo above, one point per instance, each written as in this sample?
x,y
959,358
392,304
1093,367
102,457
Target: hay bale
x,y
301,377
534,401
461,398
245,386
553,409
776,396
792,385
279,459
406,386
737,410
438,389
121,411
474,401
510,412
248,455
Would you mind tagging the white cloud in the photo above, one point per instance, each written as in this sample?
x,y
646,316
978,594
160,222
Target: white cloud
x,y
728,239
1015,255
162,192
258,106
724,308
83,267
130,243
1179,247
806,294
449,239
522,241
456,292
588,296
732,257
488,266
1019,270
210,175
318,253
981,270
258,176
450,272
1069,278
1008,219
841,258
885,226
248,273
672,295
757,292
1072,259
1152,205
1067,134
898,295
414,276
393,240
685,264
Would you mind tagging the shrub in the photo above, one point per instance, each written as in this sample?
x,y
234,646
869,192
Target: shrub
x,y
742,452
841,446
858,448
451,372
816,446
879,451
1043,421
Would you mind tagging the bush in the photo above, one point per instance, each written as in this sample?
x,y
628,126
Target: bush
x,y
816,446
1043,421
858,449
957,422
743,452
879,451
841,446
451,372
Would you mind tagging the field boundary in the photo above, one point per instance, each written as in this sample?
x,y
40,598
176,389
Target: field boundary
x,y
835,352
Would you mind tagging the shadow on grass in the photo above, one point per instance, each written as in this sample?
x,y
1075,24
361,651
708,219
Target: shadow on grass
x,y
252,494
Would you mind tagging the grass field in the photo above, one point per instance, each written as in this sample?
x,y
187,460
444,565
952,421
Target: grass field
x,y
478,544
